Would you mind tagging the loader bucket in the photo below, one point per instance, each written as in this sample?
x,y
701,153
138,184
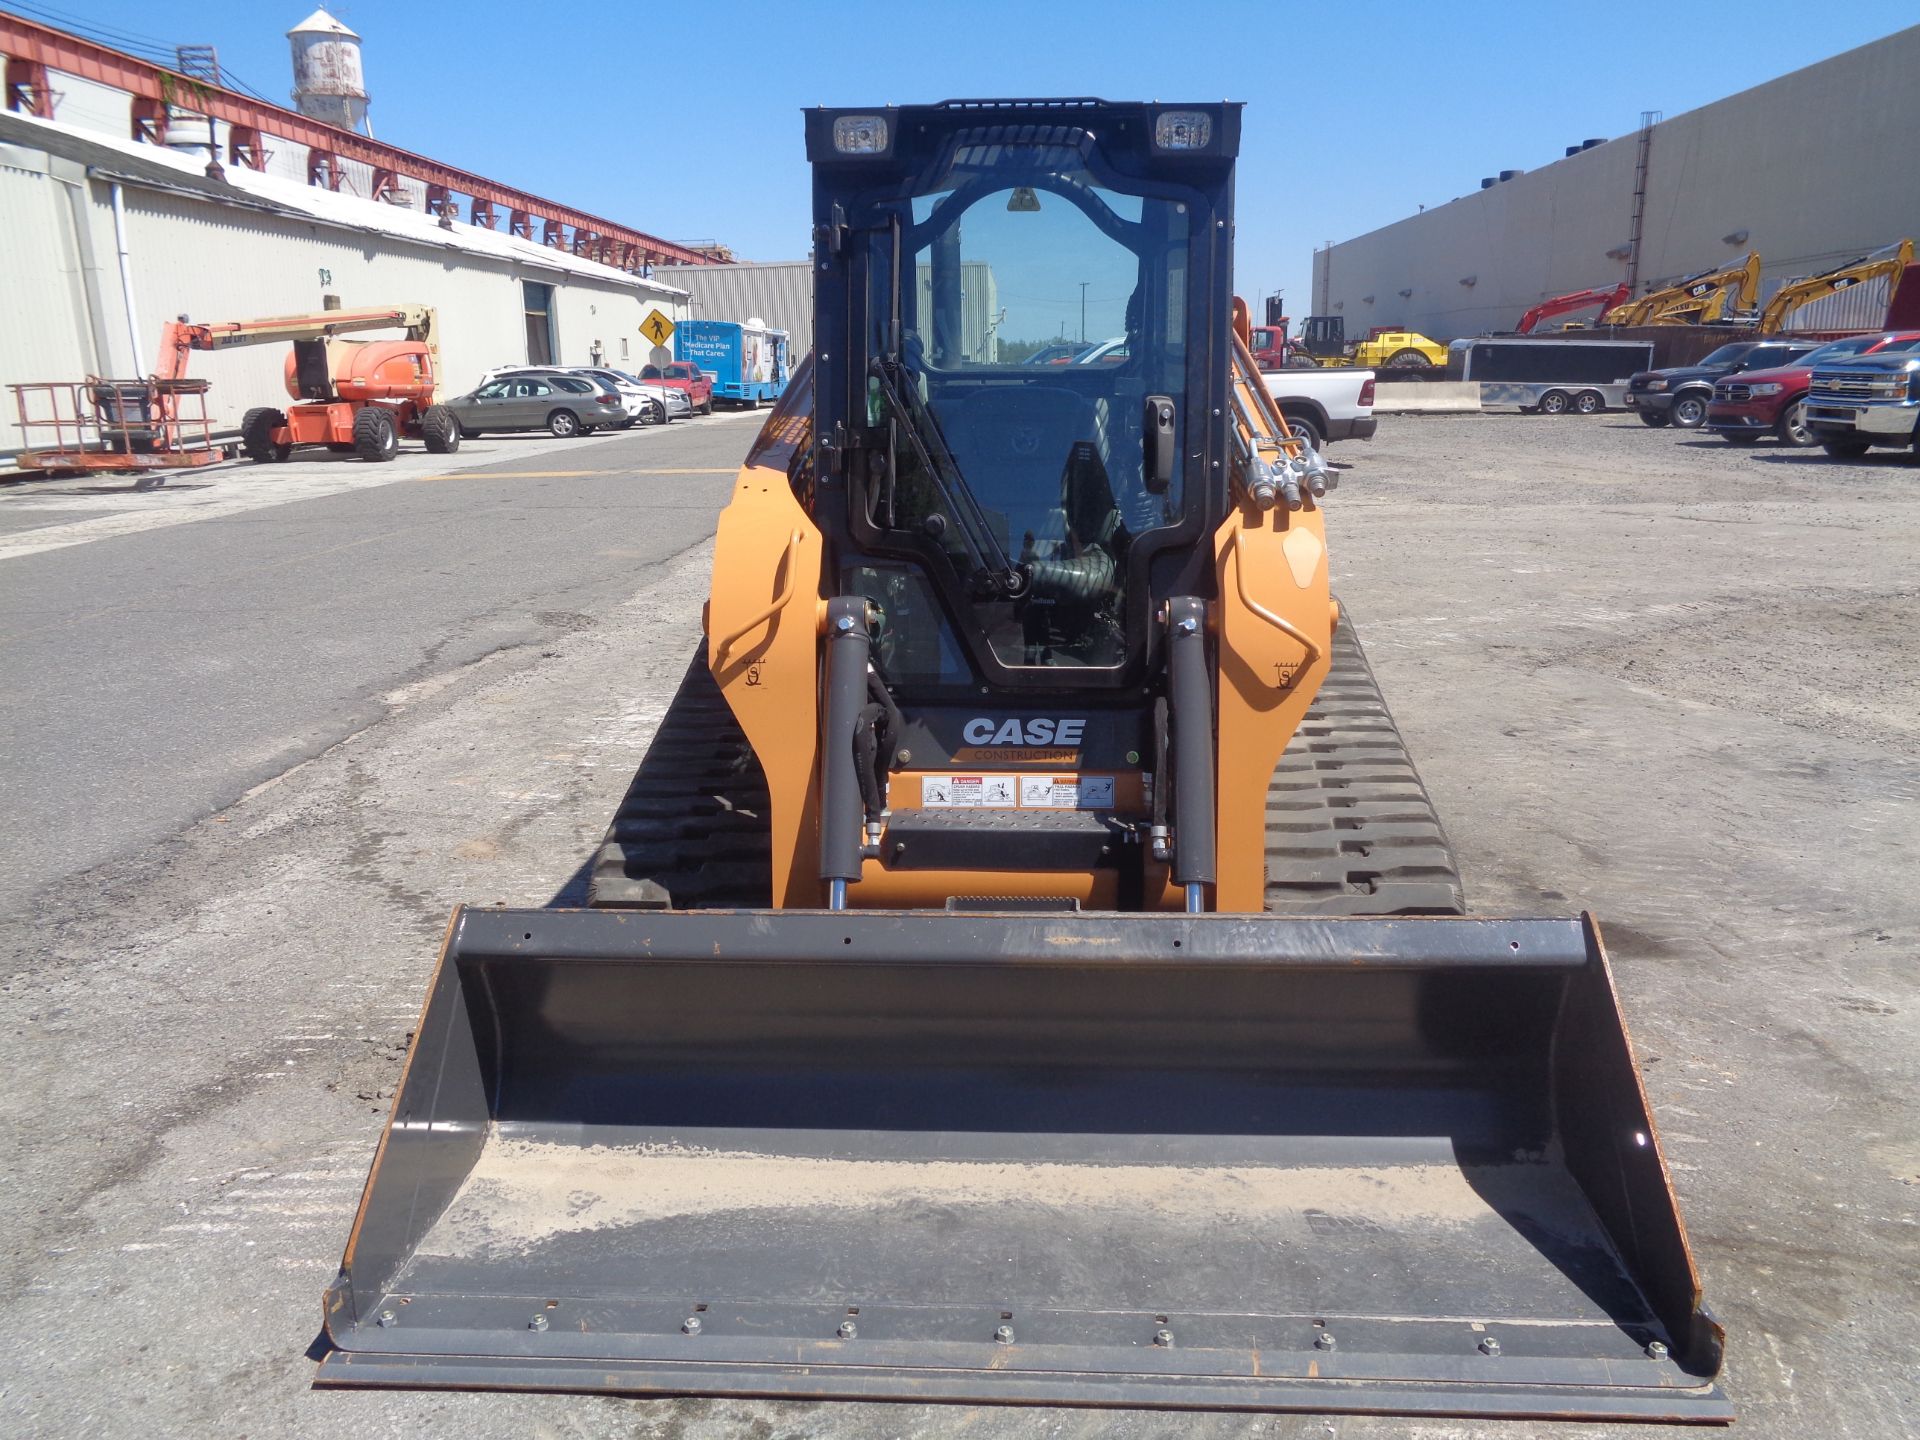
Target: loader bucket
x,y
1206,1161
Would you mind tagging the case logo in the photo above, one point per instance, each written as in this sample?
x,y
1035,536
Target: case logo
x,y
1040,730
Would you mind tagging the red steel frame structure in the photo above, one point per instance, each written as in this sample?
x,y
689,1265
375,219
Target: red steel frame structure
x,y
34,52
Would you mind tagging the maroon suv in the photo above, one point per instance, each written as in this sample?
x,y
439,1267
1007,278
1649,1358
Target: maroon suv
x,y
1753,403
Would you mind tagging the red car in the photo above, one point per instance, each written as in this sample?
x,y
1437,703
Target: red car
x,y
1753,403
685,375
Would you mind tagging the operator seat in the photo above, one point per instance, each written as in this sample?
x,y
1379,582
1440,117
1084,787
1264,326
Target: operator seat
x,y
1011,443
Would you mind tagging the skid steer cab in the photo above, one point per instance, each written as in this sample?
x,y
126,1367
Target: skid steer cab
x,y
929,1035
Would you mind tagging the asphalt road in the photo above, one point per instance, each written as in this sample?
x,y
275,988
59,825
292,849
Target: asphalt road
x,y
156,675
1668,681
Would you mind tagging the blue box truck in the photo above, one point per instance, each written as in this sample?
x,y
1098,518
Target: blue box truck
x,y
749,361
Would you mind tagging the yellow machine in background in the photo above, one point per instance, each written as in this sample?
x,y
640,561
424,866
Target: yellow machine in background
x,y
1702,299
1889,264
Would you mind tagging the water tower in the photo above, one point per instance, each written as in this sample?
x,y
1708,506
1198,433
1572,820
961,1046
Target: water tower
x,y
328,83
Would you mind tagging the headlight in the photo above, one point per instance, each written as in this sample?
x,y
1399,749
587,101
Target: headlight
x,y
860,134
1656,384
1758,390
1183,130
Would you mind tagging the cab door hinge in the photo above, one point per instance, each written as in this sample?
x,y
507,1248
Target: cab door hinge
x,y
833,450
830,238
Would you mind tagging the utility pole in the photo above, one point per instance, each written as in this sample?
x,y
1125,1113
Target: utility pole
x,y
1083,310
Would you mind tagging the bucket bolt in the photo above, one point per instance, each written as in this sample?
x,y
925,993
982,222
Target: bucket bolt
x,y
1004,1334
1163,1338
1324,1340
1657,1349
848,1330
538,1322
1489,1346
690,1325
387,1319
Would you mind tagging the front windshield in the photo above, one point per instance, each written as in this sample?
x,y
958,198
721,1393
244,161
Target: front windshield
x,y
1727,354
1038,307
1837,350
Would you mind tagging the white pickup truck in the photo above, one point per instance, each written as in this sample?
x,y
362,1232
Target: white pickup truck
x,y
1330,404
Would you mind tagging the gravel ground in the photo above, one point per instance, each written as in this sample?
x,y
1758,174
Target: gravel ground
x,y
1654,677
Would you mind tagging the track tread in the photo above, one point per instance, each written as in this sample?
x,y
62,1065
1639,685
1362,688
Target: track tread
x,y
1350,829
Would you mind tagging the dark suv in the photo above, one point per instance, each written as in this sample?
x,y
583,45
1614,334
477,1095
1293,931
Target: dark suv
x,y
1680,395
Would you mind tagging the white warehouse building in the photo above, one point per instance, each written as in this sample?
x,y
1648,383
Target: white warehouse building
x,y
109,236
1811,170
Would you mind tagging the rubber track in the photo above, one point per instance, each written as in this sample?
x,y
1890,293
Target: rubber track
x,y
1350,830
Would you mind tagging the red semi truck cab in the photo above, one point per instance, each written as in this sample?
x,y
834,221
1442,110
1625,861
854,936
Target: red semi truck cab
x,y
684,375
1269,345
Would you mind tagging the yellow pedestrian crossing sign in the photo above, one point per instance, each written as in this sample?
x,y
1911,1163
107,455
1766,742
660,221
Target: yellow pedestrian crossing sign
x,y
657,328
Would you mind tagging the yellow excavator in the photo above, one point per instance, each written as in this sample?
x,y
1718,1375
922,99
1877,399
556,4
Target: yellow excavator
x,y
1889,265
1026,966
1704,299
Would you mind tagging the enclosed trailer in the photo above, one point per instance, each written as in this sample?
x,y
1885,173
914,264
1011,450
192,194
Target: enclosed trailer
x,y
1550,376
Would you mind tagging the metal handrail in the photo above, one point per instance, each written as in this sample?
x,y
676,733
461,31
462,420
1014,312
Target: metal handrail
x,y
1279,622
780,601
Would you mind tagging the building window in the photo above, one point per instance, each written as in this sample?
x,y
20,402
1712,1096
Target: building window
x,y
538,300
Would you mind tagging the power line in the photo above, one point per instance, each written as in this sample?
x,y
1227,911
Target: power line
x,y
146,46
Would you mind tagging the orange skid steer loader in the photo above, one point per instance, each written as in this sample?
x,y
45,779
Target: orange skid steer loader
x,y
1026,967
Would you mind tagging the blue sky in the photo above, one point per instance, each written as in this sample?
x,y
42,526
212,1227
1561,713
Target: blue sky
x,y
682,118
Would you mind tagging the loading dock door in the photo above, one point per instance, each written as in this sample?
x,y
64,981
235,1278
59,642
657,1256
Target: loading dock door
x,y
539,307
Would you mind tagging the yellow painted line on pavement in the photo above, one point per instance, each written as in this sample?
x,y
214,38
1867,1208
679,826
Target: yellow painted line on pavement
x,y
515,475
578,474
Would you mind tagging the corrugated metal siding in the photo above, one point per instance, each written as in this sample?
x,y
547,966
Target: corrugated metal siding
x,y
1858,307
781,293
45,334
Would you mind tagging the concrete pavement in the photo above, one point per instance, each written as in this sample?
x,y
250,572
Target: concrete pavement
x,y
1664,679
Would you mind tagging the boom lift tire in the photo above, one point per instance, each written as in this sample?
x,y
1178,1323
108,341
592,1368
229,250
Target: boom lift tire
x,y
375,437
1409,362
256,435
440,430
